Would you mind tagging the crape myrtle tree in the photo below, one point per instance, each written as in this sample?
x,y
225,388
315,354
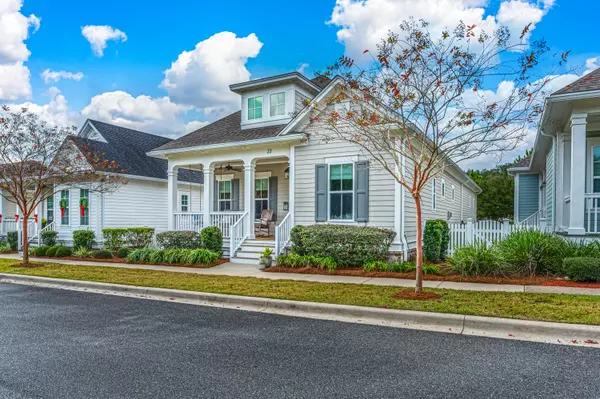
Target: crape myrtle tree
x,y
35,159
422,103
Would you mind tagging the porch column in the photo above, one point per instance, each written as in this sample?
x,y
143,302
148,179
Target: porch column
x,y
578,144
2,213
209,178
172,201
249,171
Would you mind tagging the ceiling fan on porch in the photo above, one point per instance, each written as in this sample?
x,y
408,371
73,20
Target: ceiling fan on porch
x,y
224,169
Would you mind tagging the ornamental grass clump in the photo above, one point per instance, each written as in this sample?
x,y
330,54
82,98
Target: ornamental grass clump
x,y
478,259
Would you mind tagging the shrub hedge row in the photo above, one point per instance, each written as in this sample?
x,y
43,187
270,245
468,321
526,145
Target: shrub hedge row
x,y
178,240
174,256
582,269
135,237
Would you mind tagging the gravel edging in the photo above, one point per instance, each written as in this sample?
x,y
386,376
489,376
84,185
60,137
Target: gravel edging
x,y
557,333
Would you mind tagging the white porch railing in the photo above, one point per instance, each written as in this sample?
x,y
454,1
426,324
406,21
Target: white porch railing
x,y
592,213
48,227
224,221
533,220
189,221
238,233
282,234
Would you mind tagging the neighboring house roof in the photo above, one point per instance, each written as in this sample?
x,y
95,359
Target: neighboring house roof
x,y
128,148
321,80
226,130
523,163
589,82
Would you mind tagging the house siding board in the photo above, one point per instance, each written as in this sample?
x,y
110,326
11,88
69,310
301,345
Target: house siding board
x,y
381,183
528,197
550,186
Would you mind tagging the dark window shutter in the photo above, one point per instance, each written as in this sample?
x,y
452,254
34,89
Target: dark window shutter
x,y
216,196
273,196
235,194
321,193
361,194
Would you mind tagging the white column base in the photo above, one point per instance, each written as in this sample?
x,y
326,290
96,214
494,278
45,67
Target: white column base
x,y
576,231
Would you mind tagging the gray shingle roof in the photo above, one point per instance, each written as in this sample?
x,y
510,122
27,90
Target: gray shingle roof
x,y
589,82
523,163
225,130
321,80
128,148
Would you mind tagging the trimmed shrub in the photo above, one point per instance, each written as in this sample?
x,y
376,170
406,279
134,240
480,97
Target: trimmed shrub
x,y
12,238
123,252
202,257
82,253
139,237
61,252
347,245
51,252
102,254
477,259
582,269
84,239
436,238
40,251
531,252
296,238
114,238
178,240
49,237
212,239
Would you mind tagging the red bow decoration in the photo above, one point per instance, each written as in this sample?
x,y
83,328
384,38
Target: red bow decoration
x,y
0,218
17,218
82,208
35,218
62,212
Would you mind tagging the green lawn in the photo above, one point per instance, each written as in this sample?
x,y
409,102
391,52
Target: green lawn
x,y
547,307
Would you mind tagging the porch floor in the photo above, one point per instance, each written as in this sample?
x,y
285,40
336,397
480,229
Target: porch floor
x,y
247,270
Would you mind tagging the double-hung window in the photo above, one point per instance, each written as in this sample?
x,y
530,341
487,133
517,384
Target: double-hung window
x,y
255,108
434,194
261,195
596,170
185,203
84,200
341,192
50,209
225,195
64,205
277,103
443,188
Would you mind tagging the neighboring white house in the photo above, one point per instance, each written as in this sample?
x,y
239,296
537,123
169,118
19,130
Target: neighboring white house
x,y
268,156
559,185
142,202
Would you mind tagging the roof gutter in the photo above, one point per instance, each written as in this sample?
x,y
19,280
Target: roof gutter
x,y
276,139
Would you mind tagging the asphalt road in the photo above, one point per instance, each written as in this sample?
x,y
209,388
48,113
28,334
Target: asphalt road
x,y
63,344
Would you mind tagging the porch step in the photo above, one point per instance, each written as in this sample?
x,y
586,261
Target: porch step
x,y
250,251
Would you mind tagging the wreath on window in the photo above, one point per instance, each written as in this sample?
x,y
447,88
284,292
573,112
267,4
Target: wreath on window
x,y
83,205
63,205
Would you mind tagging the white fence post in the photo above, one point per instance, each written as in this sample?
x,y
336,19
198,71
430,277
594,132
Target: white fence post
x,y
505,227
470,234
543,224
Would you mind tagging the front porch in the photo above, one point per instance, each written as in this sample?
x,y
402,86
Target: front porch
x,y
234,196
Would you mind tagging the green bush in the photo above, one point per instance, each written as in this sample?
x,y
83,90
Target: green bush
x,y
582,249
202,257
4,248
296,238
347,245
531,252
123,252
140,255
82,253
102,254
40,251
157,256
295,260
49,237
212,239
397,267
172,256
431,269
139,237
582,269
114,238
84,239
477,259
178,240
12,238
61,252
436,238
51,252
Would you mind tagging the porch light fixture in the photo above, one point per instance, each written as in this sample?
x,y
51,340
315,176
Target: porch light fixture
x,y
286,174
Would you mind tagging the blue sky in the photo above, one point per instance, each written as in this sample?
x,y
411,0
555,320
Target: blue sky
x,y
267,38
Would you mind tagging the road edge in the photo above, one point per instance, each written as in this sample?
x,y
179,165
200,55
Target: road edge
x,y
525,330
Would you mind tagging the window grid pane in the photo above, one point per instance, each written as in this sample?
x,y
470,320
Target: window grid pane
x,y
255,108
64,195
277,102
85,219
341,198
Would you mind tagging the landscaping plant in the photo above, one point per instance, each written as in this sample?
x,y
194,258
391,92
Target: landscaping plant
x,y
178,240
212,239
477,259
62,252
84,239
265,257
114,238
202,256
123,252
41,251
139,237
51,252
82,252
49,237
12,238
102,254
157,256
436,239
582,269
4,248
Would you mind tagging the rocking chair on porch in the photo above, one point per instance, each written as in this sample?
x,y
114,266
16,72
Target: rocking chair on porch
x,y
264,224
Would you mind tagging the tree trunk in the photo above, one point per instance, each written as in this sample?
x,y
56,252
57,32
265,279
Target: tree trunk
x,y
25,238
419,278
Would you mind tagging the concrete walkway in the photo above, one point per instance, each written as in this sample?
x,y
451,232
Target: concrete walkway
x,y
244,270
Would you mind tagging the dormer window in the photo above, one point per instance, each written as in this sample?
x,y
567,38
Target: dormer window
x,y
277,101
254,108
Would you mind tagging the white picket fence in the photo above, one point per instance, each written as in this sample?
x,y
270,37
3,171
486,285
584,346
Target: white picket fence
x,y
488,231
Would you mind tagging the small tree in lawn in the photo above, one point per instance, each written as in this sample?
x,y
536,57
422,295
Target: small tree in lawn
x,y
423,103
36,158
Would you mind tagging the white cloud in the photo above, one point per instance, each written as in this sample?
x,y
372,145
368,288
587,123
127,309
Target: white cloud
x,y
363,23
194,125
14,30
302,67
153,115
201,77
98,35
50,76
55,113
591,64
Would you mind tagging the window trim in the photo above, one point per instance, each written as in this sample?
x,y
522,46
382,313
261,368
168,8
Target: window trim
x,y
187,202
271,114
268,199
434,194
50,201
219,200
262,106
329,192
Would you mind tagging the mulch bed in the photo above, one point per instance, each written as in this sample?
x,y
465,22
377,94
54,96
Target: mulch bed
x,y
411,294
123,260
356,272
